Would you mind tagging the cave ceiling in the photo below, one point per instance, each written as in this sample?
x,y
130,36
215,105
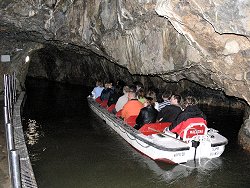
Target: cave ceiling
x,y
203,41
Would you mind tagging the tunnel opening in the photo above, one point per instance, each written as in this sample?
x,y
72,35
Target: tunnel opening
x,y
67,66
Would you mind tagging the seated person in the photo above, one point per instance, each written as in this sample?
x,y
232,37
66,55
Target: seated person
x,y
132,107
166,96
147,114
141,95
97,90
123,99
107,91
191,110
152,94
170,112
113,98
138,85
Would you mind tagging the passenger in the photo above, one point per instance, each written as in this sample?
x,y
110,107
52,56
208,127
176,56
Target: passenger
x,y
123,99
147,114
191,111
138,85
97,90
107,91
170,112
132,87
132,107
141,95
113,98
120,83
152,94
166,99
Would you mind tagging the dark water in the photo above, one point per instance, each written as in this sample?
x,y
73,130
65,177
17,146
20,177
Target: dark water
x,y
70,147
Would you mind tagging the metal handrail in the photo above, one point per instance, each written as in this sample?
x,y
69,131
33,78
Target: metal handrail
x,y
17,168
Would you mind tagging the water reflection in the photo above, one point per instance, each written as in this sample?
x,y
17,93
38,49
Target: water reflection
x,y
72,147
33,133
174,173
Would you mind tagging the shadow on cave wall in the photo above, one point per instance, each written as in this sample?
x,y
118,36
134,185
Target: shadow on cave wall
x,y
83,68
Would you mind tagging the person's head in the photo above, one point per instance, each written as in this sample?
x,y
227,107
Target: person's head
x,y
99,83
140,93
189,101
120,83
166,95
138,85
111,82
126,89
151,94
149,101
118,89
175,99
132,88
107,85
131,95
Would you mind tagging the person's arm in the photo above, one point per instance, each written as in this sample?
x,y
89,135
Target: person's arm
x,y
160,114
139,120
124,111
177,121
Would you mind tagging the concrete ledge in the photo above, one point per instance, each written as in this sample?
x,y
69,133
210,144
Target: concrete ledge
x,y
27,174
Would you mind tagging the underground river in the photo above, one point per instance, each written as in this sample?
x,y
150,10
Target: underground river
x,y
70,147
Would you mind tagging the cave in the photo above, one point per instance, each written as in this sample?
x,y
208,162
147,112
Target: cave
x,y
193,47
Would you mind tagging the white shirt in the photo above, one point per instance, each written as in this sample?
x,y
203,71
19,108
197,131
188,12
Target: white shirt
x,y
97,92
121,102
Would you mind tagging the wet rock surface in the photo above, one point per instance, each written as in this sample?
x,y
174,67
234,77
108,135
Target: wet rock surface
x,y
206,43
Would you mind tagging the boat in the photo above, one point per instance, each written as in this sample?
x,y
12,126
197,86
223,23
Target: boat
x,y
199,142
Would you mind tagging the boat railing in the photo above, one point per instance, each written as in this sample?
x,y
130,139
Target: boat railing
x,y
127,129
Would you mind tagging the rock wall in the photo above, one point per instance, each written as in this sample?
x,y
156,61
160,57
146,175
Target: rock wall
x,y
18,50
218,35
206,42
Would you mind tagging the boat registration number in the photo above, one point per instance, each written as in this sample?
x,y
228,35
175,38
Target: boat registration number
x,y
180,154
215,151
215,148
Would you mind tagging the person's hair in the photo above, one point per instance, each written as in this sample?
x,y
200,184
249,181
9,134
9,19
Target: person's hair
x,y
118,89
177,97
151,94
140,93
99,83
121,83
190,101
167,94
132,88
150,101
111,82
126,89
139,84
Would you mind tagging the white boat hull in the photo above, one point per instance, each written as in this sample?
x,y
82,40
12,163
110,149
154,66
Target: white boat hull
x,y
159,147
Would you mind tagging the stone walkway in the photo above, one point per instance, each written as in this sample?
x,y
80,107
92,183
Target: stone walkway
x,y
4,169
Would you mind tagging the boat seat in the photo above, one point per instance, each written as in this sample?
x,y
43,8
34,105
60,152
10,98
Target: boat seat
x,y
154,128
111,107
104,103
131,120
119,113
98,99
194,129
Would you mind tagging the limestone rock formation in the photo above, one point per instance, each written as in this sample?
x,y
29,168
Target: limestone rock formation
x,y
218,32
206,42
